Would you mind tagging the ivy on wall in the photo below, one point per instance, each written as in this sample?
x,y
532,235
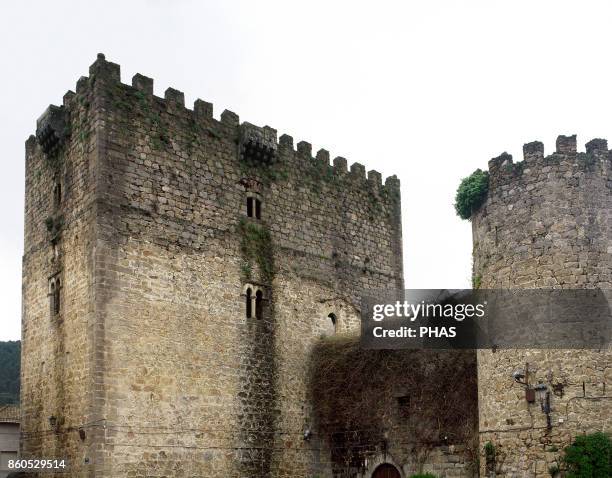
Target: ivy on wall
x,y
256,247
359,395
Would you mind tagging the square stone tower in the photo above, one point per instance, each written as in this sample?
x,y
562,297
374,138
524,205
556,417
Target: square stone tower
x,y
177,271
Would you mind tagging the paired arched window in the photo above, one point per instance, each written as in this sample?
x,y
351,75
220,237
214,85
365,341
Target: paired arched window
x,y
254,302
55,286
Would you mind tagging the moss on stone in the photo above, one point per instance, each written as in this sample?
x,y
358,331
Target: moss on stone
x,y
256,246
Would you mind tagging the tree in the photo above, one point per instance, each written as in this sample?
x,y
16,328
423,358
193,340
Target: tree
x,y
10,366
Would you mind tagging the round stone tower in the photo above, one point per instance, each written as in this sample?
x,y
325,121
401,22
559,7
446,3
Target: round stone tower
x,y
546,223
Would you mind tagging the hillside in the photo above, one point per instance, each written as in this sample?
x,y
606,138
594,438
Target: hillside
x,y
10,364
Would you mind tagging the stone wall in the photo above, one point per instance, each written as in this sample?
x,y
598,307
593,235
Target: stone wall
x,y
166,375
58,352
546,223
417,409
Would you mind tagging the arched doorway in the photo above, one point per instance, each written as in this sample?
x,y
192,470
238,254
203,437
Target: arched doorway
x,y
386,470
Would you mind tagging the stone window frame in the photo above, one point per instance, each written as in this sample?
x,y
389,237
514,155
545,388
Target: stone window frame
x,y
255,298
55,295
254,205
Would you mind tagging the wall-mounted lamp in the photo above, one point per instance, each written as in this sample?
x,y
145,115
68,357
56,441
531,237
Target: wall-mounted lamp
x,y
519,376
307,434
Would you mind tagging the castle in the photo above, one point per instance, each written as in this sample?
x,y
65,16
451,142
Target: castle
x,y
177,269
179,272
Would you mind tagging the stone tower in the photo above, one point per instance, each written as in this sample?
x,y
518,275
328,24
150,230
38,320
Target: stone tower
x,y
547,223
177,271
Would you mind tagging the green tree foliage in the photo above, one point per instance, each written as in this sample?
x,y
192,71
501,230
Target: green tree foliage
x,y
590,456
10,365
471,193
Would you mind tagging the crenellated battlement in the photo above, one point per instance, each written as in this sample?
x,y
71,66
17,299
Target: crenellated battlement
x,y
255,143
509,181
502,169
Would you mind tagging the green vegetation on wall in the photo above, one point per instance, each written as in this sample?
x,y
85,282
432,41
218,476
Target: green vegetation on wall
x,y
589,456
54,225
10,365
357,393
256,246
471,193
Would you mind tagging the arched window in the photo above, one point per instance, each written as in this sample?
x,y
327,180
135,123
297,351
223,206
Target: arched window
x,y
333,320
327,324
259,304
255,299
249,304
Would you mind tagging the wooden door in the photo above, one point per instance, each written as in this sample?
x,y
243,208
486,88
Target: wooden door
x,y
386,471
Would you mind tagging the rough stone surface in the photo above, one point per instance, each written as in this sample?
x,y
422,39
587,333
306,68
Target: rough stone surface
x,y
547,223
151,367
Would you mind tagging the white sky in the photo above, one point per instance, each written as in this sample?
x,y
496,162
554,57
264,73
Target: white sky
x,y
428,90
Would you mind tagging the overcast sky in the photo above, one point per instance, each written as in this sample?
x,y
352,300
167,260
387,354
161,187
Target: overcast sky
x,y
428,90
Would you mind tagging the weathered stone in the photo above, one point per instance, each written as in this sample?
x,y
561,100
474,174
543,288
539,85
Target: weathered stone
x,y
151,353
532,238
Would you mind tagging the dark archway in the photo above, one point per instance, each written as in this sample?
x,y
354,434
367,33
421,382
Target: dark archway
x,y
386,470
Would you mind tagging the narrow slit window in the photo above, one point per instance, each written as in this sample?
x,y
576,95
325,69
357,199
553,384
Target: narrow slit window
x,y
250,207
57,195
257,208
57,299
249,306
54,296
259,304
